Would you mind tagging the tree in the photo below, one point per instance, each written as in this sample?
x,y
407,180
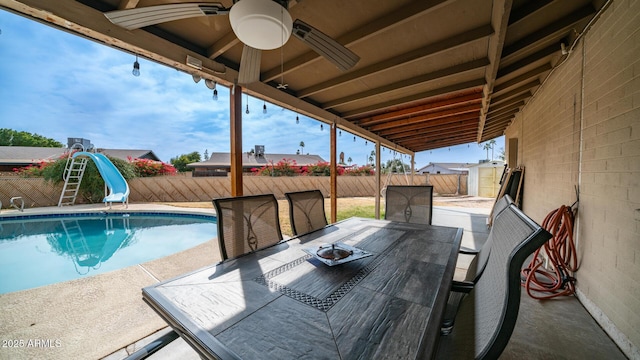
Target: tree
x,y
206,154
395,166
501,154
492,142
10,137
487,146
180,162
302,147
349,160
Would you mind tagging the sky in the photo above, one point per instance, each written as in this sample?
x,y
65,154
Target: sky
x,y
60,85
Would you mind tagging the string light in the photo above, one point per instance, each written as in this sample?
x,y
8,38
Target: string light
x,y
136,67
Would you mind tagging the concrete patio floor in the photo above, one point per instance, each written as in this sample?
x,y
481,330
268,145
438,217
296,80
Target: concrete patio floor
x,y
104,317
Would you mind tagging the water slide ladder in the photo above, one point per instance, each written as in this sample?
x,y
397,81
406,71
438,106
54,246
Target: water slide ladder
x,y
73,173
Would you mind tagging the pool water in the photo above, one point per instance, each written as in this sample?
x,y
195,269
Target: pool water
x,y
42,250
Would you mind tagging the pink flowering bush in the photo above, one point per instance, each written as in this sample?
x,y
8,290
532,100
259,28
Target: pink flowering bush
x,y
148,168
284,167
289,167
364,170
34,170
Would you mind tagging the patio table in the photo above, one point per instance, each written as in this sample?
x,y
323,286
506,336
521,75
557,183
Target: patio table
x,y
283,303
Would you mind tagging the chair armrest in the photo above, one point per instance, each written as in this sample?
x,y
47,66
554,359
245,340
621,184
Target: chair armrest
x,y
462,286
468,251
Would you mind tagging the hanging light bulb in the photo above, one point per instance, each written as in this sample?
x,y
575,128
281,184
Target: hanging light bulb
x,y
340,133
215,94
264,107
297,120
136,67
247,111
321,127
366,143
354,139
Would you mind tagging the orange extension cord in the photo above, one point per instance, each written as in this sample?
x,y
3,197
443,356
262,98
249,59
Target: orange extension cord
x,y
561,251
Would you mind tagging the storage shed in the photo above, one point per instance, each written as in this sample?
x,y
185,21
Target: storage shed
x,y
484,178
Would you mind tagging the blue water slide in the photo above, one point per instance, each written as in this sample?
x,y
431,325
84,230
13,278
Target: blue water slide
x,y
113,179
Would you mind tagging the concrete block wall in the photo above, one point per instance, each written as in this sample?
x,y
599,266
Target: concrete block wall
x,y
583,128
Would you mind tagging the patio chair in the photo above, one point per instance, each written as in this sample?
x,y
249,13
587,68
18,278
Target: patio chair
x,y
488,313
306,211
246,224
498,206
409,203
461,287
481,255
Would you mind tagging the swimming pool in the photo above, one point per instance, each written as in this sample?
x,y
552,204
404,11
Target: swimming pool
x,y
38,250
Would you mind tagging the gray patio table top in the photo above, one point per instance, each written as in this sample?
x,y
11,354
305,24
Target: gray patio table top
x,y
283,302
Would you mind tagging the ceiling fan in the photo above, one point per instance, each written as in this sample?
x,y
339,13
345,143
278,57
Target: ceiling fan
x,y
259,24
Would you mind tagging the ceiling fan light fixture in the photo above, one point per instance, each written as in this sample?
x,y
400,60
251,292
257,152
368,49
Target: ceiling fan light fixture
x,y
261,24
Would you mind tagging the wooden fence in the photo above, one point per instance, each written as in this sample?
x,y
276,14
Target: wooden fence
x,y
37,193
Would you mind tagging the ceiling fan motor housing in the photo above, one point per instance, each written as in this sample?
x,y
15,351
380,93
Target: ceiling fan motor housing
x,y
261,24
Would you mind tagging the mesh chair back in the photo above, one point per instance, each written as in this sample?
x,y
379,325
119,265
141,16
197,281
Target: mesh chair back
x,y
479,262
306,211
487,315
500,205
409,203
246,224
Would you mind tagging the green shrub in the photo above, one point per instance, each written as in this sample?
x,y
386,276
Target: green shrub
x,y
92,185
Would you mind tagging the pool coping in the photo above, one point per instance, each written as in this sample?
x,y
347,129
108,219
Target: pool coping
x,y
100,208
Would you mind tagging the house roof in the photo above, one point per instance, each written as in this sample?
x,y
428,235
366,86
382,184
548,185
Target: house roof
x,y
450,166
223,160
430,74
124,154
25,155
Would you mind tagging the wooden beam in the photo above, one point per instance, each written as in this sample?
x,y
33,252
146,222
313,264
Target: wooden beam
x,y
435,75
552,31
503,86
383,23
454,120
236,140
533,58
127,4
438,131
445,142
225,43
501,10
511,98
423,118
421,96
466,99
445,135
399,60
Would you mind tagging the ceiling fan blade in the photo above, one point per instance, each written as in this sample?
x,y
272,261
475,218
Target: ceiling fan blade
x,y
140,17
249,65
333,51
